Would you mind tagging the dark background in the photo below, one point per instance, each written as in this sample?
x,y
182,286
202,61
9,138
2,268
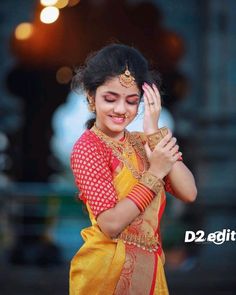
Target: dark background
x,y
193,45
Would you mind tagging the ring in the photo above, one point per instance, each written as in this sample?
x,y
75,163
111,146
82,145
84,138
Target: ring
x,y
151,103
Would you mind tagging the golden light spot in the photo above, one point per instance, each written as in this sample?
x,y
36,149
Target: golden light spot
x,y
64,75
61,3
48,2
23,31
49,14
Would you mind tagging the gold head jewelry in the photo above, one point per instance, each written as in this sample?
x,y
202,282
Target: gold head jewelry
x,y
126,79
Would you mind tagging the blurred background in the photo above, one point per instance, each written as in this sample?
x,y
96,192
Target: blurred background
x,y
193,44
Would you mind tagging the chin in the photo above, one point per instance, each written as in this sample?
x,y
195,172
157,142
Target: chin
x,y
117,128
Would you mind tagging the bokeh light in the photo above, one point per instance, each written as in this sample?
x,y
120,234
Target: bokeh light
x,y
23,31
64,75
61,3
49,14
48,2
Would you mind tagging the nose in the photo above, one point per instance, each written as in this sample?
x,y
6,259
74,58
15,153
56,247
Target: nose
x,y
120,107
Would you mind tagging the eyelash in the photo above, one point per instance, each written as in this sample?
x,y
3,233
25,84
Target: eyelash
x,y
131,103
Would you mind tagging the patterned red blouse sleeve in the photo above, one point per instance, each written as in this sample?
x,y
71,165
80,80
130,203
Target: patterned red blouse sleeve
x,y
92,175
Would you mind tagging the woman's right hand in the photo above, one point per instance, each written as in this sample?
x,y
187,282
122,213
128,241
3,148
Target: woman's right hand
x,y
163,157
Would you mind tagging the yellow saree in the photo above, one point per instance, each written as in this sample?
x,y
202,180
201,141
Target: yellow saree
x,y
132,264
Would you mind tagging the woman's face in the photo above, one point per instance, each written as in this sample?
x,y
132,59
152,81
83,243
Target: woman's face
x,y
116,106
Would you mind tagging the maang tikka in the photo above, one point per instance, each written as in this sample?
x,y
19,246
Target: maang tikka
x,y
126,79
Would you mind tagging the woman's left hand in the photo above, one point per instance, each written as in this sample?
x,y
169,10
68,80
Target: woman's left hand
x,y
152,105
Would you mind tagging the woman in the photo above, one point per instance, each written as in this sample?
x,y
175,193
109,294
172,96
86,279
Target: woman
x,y
122,177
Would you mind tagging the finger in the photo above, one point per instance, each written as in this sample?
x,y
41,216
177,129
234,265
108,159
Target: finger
x,y
176,157
150,90
172,142
174,150
165,139
146,104
149,93
158,95
154,94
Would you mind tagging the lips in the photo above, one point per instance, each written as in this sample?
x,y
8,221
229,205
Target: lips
x,y
117,120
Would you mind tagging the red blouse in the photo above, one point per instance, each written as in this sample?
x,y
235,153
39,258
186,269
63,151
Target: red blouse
x,y
93,165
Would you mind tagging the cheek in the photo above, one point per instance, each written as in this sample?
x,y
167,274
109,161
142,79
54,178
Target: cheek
x,y
133,111
101,106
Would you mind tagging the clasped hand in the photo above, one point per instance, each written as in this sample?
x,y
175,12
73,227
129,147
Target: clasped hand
x,y
163,157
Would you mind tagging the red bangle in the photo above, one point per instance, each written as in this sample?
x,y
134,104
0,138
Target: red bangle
x,y
141,196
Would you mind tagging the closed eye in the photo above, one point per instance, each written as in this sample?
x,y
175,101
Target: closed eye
x,y
132,102
109,98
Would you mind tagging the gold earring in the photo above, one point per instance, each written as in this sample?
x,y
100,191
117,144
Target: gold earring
x,y
91,105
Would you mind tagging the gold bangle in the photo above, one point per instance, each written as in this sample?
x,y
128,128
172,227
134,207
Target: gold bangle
x,y
155,138
152,182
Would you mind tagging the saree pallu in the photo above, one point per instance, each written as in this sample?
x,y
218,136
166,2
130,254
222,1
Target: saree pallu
x,y
126,265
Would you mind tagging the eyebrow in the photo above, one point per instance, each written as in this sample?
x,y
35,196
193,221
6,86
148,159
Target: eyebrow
x,y
117,94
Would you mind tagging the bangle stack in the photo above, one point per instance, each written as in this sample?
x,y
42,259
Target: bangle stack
x,y
143,193
141,196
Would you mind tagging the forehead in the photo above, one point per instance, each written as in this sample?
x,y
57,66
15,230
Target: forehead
x,y
114,85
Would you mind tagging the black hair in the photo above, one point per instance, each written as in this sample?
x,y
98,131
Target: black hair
x,y
110,62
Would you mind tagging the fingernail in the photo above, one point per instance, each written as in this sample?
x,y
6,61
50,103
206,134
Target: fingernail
x,y
145,84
